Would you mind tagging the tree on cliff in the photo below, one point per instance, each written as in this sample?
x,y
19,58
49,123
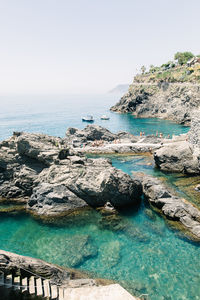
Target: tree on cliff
x,y
183,57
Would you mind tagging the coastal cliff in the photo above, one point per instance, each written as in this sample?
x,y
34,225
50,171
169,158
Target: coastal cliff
x,y
171,92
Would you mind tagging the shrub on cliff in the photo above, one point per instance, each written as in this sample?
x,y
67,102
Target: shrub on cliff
x,y
183,57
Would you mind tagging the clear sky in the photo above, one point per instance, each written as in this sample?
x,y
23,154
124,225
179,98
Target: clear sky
x,y
89,46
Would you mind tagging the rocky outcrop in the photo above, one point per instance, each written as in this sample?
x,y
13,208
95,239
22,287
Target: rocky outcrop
x,y
182,156
94,133
54,179
14,263
172,207
178,157
98,140
173,101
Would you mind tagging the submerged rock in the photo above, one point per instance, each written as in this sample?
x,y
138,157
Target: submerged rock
x,y
55,179
110,254
173,207
72,250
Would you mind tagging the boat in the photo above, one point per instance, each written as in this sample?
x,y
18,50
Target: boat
x,y
104,117
88,118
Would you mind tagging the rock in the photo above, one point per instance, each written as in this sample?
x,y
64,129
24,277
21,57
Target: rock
x,y
57,180
71,250
197,188
172,101
194,133
54,198
88,134
10,262
110,254
178,157
173,207
91,133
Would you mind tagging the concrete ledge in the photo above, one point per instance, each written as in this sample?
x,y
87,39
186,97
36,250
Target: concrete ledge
x,y
109,292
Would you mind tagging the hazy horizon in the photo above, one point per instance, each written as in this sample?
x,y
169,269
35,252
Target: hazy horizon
x,y
88,47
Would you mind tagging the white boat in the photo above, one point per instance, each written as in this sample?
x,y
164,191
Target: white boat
x,y
104,117
88,118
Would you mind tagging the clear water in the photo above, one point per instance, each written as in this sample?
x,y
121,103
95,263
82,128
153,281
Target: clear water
x,y
138,249
54,114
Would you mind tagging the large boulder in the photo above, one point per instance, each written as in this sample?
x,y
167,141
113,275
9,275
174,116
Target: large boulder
x,y
178,157
83,182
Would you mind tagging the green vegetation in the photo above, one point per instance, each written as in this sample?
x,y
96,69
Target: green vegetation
x,y
184,68
183,57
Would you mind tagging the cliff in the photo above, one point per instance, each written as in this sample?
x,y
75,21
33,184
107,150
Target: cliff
x,y
170,92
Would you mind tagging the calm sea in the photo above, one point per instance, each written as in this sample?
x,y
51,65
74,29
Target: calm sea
x,y
54,114
143,254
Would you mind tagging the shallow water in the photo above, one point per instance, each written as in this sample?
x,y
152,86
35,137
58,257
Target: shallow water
x,y
137,249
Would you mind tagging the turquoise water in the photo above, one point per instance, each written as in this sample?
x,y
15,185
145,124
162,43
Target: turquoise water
x,y
137,249
54,114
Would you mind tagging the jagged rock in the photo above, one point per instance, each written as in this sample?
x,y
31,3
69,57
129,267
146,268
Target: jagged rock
x,y
167,100
182,156
57,179
173,207
178,157
91,133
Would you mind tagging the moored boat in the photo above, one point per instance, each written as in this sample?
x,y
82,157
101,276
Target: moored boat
x,y
104,117
88,118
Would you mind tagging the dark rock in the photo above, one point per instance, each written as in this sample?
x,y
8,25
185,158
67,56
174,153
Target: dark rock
x,y
91,133
173,207
57,180
163,100
177,157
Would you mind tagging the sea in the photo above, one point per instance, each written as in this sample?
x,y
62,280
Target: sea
x,y
140,250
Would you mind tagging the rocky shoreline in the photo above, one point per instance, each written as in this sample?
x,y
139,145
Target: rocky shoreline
x,y
54,179
171,101
51,176
173,207
179,154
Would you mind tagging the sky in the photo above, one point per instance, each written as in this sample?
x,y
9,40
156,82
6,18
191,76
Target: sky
x,y
89,46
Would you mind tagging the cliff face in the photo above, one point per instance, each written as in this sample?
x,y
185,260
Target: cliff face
x,y
194,133
173,101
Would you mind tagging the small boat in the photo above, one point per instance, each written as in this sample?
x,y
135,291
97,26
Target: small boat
x,y
88,119
104,117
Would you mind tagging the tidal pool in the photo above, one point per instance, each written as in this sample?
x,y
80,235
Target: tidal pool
x,y
137,248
